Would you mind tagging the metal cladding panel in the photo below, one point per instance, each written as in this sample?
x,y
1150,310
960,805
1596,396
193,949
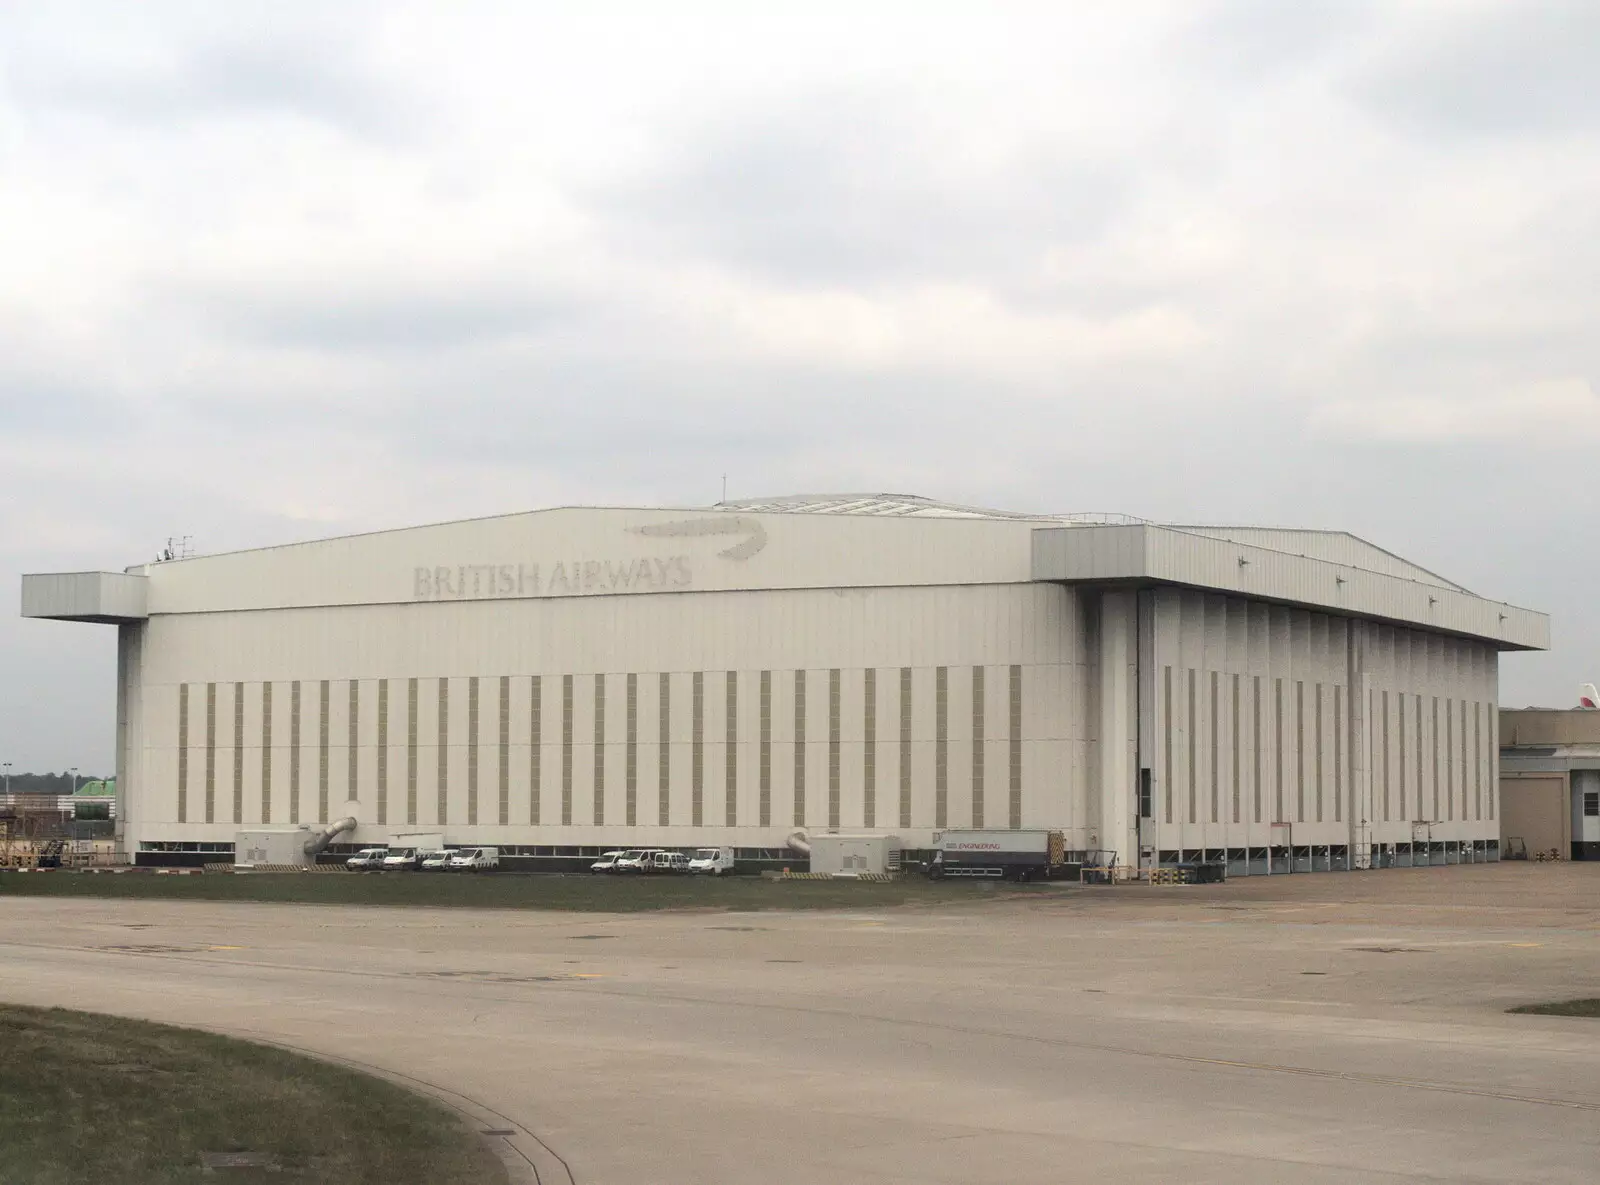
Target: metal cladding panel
x,y
1164,555
903,635
1339,547
85,596
788,629
596,553
1089,553
1311,748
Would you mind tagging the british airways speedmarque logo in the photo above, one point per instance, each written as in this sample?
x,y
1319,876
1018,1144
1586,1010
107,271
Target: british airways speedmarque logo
x,y
755,535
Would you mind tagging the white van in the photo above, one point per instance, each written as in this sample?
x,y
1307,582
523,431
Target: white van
x,y
402,860
436,861
367,860
607,862
475,859
633,860
712,861
667,862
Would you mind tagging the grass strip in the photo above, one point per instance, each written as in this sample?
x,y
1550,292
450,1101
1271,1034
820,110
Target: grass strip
x,y
606,894
1587,1007
87,1099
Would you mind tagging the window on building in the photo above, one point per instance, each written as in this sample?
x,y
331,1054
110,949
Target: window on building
x,y
1591,803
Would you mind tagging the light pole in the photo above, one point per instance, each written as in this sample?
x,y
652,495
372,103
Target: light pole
x,y
74,772
7,765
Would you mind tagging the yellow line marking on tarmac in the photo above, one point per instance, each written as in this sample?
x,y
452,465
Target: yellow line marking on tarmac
x,y
1525,945
587,975
227,948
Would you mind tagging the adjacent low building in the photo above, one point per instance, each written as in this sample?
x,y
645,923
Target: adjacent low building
x,y
562,681
1550,782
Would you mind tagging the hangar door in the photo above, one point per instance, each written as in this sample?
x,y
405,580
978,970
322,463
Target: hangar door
x,y
1535,809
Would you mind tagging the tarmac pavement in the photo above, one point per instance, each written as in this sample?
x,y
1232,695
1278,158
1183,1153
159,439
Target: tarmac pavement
x,y
1333,1028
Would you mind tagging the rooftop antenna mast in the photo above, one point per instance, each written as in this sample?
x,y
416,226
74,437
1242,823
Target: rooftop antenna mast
x,y
178,547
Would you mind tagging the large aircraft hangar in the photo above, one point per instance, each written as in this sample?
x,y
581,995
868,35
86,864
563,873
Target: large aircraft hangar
x,y
564,680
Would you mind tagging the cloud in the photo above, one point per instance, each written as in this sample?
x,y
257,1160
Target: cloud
x,y
1562,413
1253,39
277,272
1491,70
840,188
422,314
321,72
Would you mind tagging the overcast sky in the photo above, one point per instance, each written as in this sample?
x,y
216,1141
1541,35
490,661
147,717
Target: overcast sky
x,y
275,271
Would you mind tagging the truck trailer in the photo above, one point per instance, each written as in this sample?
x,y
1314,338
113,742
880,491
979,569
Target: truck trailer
x,y
1008,855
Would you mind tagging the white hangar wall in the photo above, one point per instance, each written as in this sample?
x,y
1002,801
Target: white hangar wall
x,y
1337,730
581,676
560,720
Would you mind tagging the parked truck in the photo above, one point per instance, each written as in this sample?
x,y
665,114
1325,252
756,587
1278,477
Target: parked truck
x,y
712,862
1009,855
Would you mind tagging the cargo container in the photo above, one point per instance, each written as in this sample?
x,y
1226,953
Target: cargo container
x,y
1010,855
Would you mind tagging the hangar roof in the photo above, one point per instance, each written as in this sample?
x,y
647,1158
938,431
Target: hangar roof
x,y
888,505
851,540
1339,547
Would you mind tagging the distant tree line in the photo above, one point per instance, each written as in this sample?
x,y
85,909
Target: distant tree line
x,y
45,783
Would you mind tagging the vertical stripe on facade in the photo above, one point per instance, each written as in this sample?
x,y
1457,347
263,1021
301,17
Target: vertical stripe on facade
x,y
1433,747
599,750
1421,811
1014,739
323,697
503,768
1168,790
941,747
1255,750
1194,746
833,748
266,752
905,746
1400,752
1317,766
411,751
631,754
1338,754
1299,751
1384,697
1490,757
566,750
1477,760
238,752
211,748
663,751
383,751
765,756
978,719
472,750
799,748
1278,814
183,752
1237,753
442,774
1216,746
294,751
535,747
353,749
730,755
869,748
697,749
1449,757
